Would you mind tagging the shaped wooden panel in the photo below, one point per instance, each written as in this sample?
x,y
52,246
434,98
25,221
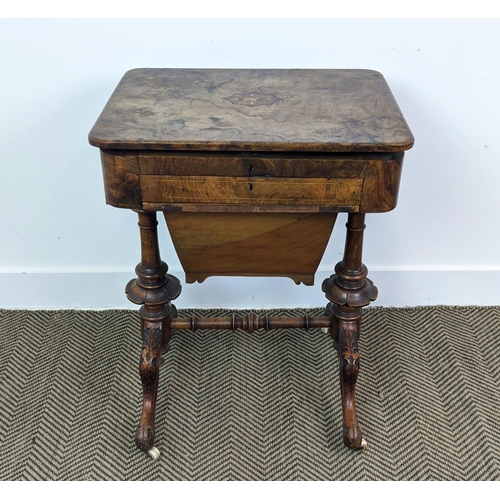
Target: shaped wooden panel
x,y
250,244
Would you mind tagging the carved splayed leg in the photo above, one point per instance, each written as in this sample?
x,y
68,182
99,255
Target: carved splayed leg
x,y
153,289
349,290
149,368
349,368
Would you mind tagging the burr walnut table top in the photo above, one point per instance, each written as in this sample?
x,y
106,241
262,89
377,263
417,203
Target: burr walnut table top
x,y
267,110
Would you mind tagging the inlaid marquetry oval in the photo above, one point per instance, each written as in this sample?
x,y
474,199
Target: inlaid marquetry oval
x,y
252,99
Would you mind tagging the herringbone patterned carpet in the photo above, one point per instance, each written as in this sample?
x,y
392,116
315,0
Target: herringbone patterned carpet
x,y
251,406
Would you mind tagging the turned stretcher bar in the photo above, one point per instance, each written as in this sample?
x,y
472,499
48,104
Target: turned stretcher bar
x,y
250,323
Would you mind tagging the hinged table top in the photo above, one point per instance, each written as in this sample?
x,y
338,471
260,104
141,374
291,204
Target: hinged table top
x,y
346,110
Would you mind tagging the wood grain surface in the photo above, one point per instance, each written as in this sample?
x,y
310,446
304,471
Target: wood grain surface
x,y
250,190
309,110
250,244
221,182
250,168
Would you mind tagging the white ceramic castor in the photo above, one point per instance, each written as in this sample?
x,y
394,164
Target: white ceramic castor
x,y
153,452
326,330
364,444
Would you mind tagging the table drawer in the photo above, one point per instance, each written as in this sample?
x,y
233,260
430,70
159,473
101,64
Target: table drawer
x,y
251,190
218,182
268,165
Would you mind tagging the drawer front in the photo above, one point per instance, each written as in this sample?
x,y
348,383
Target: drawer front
x,y
251,190
221,182
340,166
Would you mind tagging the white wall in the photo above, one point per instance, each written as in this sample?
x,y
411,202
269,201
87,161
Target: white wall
x,y
76,251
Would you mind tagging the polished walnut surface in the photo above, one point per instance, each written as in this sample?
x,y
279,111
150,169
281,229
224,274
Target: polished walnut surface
x,y
250,168
325,110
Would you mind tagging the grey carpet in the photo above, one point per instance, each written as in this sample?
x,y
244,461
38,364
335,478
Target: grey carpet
x,y
239,406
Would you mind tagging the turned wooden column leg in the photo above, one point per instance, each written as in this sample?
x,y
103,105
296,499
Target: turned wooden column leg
x,y
153,289
348,291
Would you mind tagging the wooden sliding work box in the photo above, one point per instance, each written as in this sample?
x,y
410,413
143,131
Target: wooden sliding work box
x,y
250,168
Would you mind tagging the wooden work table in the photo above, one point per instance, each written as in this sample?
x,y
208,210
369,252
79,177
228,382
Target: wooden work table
x,y
250,168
